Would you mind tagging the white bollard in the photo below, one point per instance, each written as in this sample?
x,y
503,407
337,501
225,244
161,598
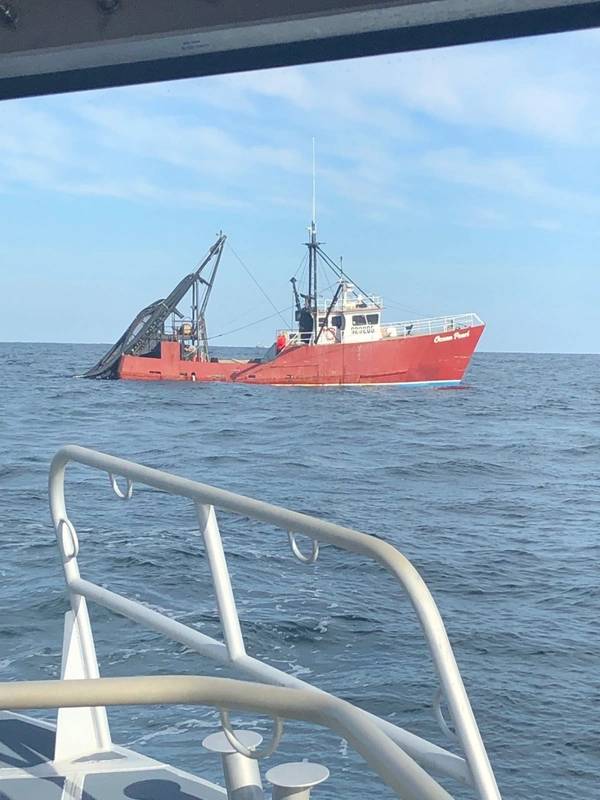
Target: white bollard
x,y
242,775
293,781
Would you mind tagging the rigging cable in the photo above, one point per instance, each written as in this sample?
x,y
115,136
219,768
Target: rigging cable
x,y
258,285
400,307
301,266
340,272
250,324
302,263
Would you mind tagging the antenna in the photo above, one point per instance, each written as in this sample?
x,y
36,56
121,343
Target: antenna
x,y
314,186
312,243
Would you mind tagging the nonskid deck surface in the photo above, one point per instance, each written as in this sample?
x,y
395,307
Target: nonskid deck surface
x,y
27,771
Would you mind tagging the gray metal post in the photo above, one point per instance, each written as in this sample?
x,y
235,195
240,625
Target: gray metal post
x,y
242,775
221,581
294,781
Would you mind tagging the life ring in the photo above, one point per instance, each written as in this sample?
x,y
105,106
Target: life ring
x,y
331,334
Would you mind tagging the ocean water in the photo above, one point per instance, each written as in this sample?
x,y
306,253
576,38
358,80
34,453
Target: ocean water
x,y
493,491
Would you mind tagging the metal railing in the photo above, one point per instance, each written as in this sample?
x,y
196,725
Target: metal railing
x,y
386,758
476,770
441,325
357,304
293,337
453,326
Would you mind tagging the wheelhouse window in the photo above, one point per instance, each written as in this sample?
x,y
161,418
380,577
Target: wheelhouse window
x,y
337,322
359,319
373,319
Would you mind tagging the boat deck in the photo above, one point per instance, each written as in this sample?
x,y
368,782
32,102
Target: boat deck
x,y
28,772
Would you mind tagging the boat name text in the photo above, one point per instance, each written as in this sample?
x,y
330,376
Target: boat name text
x,y
450,337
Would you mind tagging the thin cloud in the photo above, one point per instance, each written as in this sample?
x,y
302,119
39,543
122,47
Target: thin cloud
x,y
180,143
505,175
244,139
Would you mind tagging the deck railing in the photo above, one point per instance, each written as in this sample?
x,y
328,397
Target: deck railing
x,y
441,325
386,758
356,304
474,770
453,326
293,338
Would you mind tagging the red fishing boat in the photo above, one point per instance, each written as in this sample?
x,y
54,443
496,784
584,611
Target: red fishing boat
x,y
339,341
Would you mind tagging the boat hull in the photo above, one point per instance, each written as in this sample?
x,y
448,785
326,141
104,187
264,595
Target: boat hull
x,y
429,359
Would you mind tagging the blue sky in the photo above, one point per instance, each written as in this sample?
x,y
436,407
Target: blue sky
x,y
454,180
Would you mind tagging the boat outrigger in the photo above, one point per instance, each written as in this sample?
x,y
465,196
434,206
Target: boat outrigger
x,y
338,341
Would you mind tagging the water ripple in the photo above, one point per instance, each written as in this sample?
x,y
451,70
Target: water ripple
x,y
493,492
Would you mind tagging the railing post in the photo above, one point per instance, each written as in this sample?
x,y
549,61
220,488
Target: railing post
x,y
79,731
242,774
221,581
295,780
79,653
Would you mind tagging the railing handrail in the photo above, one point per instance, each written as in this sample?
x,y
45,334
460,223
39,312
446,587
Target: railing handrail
x,y
385,757
372,301
426,325
470,316
345,538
